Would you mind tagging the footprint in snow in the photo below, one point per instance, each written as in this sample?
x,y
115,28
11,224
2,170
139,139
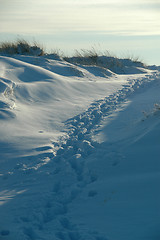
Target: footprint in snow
x,y
5,232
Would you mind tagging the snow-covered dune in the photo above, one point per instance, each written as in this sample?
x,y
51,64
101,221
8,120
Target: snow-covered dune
x,y
35,100
79,151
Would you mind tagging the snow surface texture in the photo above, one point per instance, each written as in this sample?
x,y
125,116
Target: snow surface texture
x,y
79,151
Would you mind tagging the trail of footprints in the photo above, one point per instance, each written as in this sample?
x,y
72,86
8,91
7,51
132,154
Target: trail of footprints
x,y
69,169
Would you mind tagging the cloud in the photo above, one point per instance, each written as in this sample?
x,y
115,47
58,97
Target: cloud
x,y
46,17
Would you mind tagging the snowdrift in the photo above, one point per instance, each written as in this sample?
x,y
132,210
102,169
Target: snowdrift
x,y
79,152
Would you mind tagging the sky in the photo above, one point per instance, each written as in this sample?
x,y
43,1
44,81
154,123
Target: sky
x,y
122,27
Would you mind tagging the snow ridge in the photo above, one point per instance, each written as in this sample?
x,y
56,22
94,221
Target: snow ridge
x,y
75,149
69,162
60,174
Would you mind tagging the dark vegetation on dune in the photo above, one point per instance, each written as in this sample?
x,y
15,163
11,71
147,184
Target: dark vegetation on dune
x,y
86,57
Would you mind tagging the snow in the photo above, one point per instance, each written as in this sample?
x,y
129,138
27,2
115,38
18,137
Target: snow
x,y
79,151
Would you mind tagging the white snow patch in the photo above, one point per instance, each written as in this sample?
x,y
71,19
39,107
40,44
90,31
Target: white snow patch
x,y
79,151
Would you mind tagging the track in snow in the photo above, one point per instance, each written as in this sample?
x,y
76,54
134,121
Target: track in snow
x,y
66,173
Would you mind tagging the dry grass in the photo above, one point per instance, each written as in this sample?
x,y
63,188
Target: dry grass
x,y
95,57
90,56
105,60
21,46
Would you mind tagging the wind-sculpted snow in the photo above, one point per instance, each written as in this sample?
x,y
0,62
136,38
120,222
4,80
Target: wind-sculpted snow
x,y
59,178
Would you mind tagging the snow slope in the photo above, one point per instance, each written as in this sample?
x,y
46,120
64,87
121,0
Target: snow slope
x,y
79,151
